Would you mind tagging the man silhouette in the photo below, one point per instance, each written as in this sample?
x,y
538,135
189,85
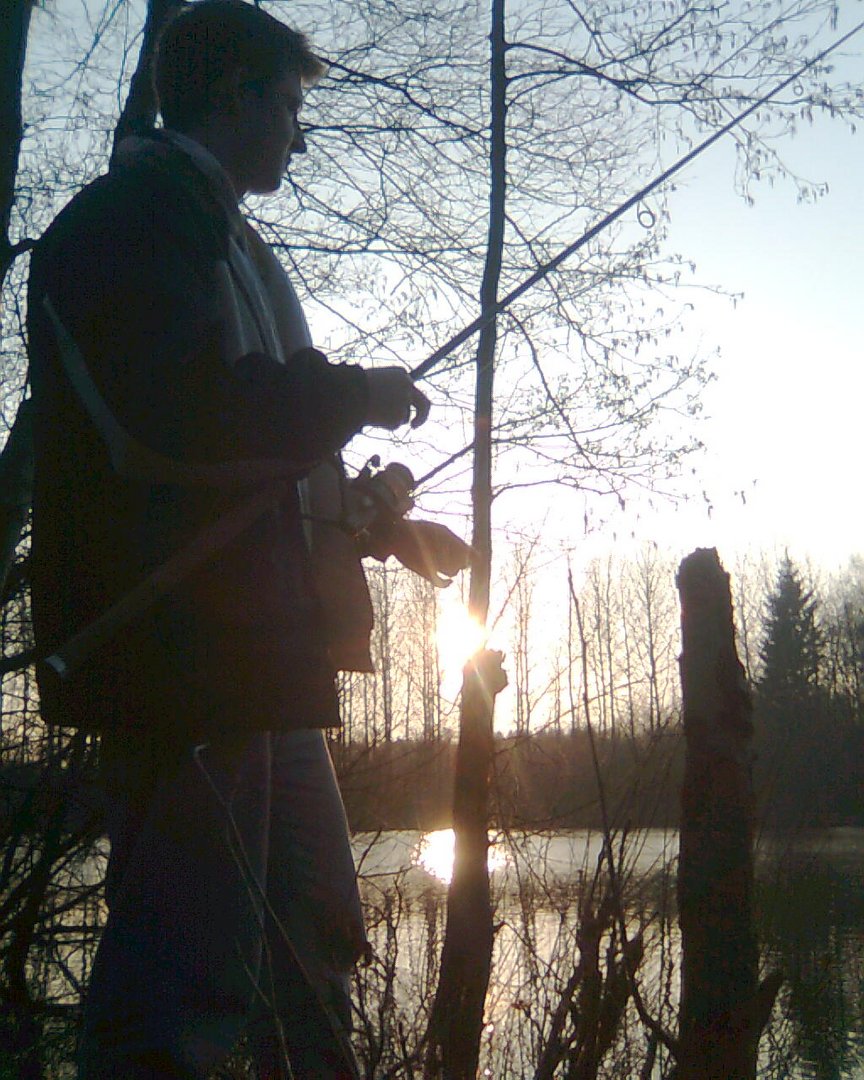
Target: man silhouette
x,y
232,900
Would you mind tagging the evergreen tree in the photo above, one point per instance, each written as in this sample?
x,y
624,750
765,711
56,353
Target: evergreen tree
x,y
792,645
798,758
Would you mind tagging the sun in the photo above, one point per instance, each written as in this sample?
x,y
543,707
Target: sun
x,y
458,637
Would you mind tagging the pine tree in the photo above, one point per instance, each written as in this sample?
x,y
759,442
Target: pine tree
x,y
790,716
792,645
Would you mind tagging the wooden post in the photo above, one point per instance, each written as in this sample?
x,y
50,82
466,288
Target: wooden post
x,y
722,1009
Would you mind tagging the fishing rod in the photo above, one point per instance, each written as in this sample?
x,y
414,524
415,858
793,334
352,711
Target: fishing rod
x,y
64,661
422,370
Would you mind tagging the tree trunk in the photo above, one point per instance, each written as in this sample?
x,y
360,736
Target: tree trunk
x,y
14,27
722,1007
16,461
456,1023
139,112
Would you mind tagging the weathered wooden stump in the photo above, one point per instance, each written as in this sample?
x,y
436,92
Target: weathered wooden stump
x,y
722,1008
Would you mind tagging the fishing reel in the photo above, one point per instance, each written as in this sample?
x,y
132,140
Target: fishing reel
x,y
376,498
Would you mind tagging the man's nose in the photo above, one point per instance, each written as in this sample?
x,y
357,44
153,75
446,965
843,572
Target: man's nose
x,y
298,144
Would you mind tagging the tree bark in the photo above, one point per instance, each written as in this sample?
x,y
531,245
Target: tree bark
x,y
16,460
456,1024
722,1010
139,112
14,27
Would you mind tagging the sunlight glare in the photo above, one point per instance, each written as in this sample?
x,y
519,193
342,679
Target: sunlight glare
x,y
458,637
434,853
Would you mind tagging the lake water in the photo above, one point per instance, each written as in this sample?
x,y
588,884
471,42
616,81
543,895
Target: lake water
x,y
810,896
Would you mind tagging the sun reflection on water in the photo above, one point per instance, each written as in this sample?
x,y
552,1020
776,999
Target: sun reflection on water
x,y
435,851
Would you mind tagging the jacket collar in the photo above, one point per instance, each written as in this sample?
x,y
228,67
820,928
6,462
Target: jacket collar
x,y
166,150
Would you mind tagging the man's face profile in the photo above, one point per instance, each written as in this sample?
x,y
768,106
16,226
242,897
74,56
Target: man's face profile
x,y
269,130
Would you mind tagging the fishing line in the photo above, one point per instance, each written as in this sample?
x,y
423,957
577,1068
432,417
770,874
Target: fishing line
x,y
432,361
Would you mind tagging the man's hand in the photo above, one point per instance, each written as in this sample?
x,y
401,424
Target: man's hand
x,y
429,549
392,397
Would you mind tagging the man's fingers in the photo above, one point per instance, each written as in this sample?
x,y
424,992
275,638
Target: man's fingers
x,y
394,400
421,405
430,549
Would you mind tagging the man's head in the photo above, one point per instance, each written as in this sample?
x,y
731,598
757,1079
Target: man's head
x,y
232,75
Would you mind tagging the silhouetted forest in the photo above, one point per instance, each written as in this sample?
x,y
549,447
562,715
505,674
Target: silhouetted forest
x,y
548,780
805,653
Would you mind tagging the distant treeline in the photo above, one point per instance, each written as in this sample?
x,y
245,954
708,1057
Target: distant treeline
x,y
549,780
802,648
542,781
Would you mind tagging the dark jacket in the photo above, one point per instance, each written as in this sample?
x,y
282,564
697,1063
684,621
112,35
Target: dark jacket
x,y
131,267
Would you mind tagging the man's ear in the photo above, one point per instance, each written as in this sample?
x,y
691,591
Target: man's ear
x,y
226,92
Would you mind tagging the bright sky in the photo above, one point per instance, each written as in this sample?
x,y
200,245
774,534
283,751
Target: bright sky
x,y
784,418
788,405
787,410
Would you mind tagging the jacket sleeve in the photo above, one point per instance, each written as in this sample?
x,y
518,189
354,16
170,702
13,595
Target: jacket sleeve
x,y
132,278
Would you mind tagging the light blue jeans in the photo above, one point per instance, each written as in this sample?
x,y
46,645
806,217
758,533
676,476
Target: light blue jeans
x,y
233,908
